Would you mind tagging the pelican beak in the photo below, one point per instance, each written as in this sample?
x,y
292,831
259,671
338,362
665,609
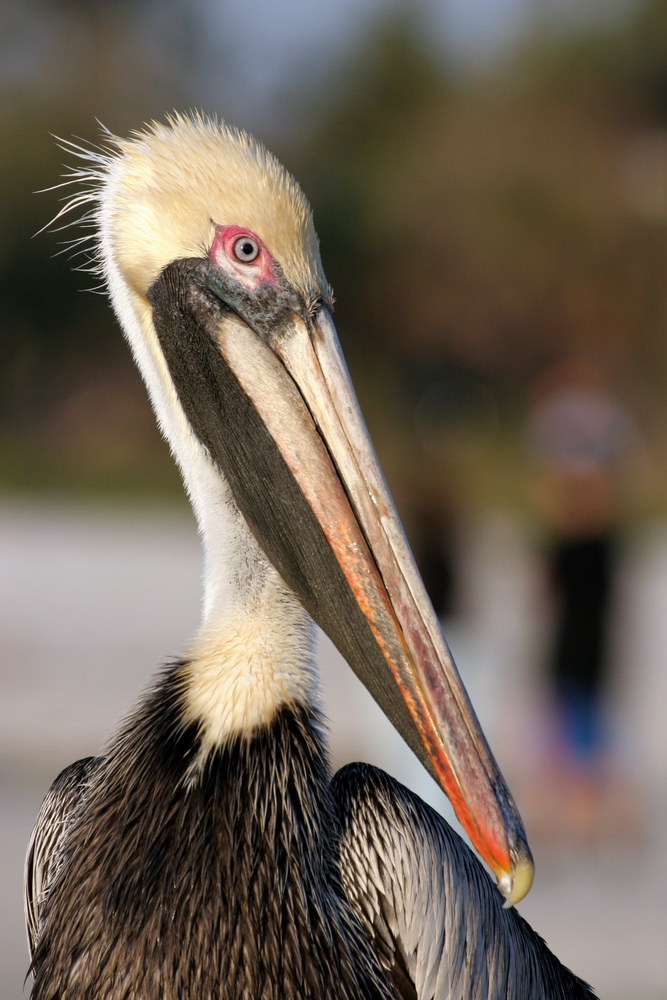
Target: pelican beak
x,y
270,398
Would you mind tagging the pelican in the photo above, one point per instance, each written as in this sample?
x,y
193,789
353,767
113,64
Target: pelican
x,y
209,852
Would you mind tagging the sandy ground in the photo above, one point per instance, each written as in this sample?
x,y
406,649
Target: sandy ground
x,y
92,601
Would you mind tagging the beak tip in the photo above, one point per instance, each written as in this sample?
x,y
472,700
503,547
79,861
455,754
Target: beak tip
x,y
516,884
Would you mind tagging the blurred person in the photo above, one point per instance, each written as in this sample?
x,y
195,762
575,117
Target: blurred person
x,y
579,435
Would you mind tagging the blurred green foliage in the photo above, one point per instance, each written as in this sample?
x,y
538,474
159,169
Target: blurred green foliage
x,y
483,229
474,229
73,412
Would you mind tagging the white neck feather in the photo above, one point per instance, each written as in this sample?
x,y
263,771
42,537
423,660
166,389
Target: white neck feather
x,y
255,648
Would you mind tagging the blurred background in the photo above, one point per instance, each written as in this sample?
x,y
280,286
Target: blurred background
x,y
489,182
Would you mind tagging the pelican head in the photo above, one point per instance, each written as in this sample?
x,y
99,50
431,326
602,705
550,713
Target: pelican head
x,y
209,252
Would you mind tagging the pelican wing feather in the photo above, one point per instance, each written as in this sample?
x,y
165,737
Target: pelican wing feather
x,y
44,857
433,913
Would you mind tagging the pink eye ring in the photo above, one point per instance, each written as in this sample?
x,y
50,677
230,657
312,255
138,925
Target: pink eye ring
x,y
246,249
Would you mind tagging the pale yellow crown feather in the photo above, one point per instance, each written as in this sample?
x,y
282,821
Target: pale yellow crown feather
x,y
160,192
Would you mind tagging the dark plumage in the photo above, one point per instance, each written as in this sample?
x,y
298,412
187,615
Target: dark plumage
x,y
195,880
250,874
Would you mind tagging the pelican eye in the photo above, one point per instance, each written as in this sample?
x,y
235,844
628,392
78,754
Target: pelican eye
x,y
246,249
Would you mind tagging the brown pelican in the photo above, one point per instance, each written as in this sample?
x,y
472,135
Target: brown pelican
x,y
208,852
